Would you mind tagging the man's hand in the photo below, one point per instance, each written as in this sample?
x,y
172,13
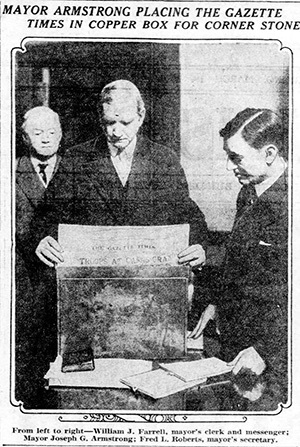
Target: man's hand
x,y
193,256
208,314
248,358
49,251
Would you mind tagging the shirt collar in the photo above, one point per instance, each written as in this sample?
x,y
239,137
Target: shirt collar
x,y
51,162
127,152
263,186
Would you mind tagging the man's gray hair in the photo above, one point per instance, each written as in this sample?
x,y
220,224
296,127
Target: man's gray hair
x,y
122,85
35,112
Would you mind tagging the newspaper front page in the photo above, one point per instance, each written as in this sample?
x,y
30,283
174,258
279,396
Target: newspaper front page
x,y
196,65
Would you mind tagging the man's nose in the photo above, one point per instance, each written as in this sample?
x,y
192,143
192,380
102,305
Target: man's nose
x,y
117,129
230,166
45,137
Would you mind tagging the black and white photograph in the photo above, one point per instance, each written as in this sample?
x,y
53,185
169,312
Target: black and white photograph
x,y
124,296
152,197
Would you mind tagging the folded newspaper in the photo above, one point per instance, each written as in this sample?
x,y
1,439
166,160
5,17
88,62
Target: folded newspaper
x,y
172,378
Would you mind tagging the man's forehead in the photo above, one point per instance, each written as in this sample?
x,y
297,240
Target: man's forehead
x,y
42,120
237,144
121,103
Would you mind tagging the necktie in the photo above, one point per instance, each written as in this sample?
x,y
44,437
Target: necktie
x,y
251,195
246,199
43,175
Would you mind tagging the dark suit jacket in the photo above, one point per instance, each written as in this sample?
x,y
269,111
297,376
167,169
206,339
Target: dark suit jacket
x,y
35,301
30,193
254,297
87,191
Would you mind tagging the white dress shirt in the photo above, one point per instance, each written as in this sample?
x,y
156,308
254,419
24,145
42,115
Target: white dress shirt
x,y
122,161
49,170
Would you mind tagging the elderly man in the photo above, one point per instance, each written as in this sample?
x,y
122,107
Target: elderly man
x,y
122,178
252,304
34,170
34,301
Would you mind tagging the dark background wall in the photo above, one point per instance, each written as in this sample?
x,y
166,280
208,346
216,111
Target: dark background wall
x,y
78,72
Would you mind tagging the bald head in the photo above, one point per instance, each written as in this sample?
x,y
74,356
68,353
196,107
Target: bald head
x,y
42,131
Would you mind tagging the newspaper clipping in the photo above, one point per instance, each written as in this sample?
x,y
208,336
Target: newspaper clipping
x,y
149,223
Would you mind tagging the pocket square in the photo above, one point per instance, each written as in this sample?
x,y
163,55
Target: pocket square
x,y
266,244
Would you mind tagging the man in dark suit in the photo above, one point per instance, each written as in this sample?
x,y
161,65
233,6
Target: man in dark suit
x,y
252,302
34,170
122,178
34,302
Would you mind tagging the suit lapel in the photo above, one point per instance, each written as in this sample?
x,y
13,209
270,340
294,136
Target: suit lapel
x,y
107,184
28,180
264,212
58,160
140,176
103,170
104,179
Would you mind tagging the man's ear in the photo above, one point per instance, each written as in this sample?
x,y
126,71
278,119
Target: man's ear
x,y
271,152
26,138
60,135
141,116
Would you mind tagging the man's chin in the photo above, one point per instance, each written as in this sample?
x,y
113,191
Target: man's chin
x,y
45,154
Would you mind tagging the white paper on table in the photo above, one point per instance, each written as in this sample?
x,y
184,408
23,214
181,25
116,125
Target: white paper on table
x,y
159,383
197,369
107,373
